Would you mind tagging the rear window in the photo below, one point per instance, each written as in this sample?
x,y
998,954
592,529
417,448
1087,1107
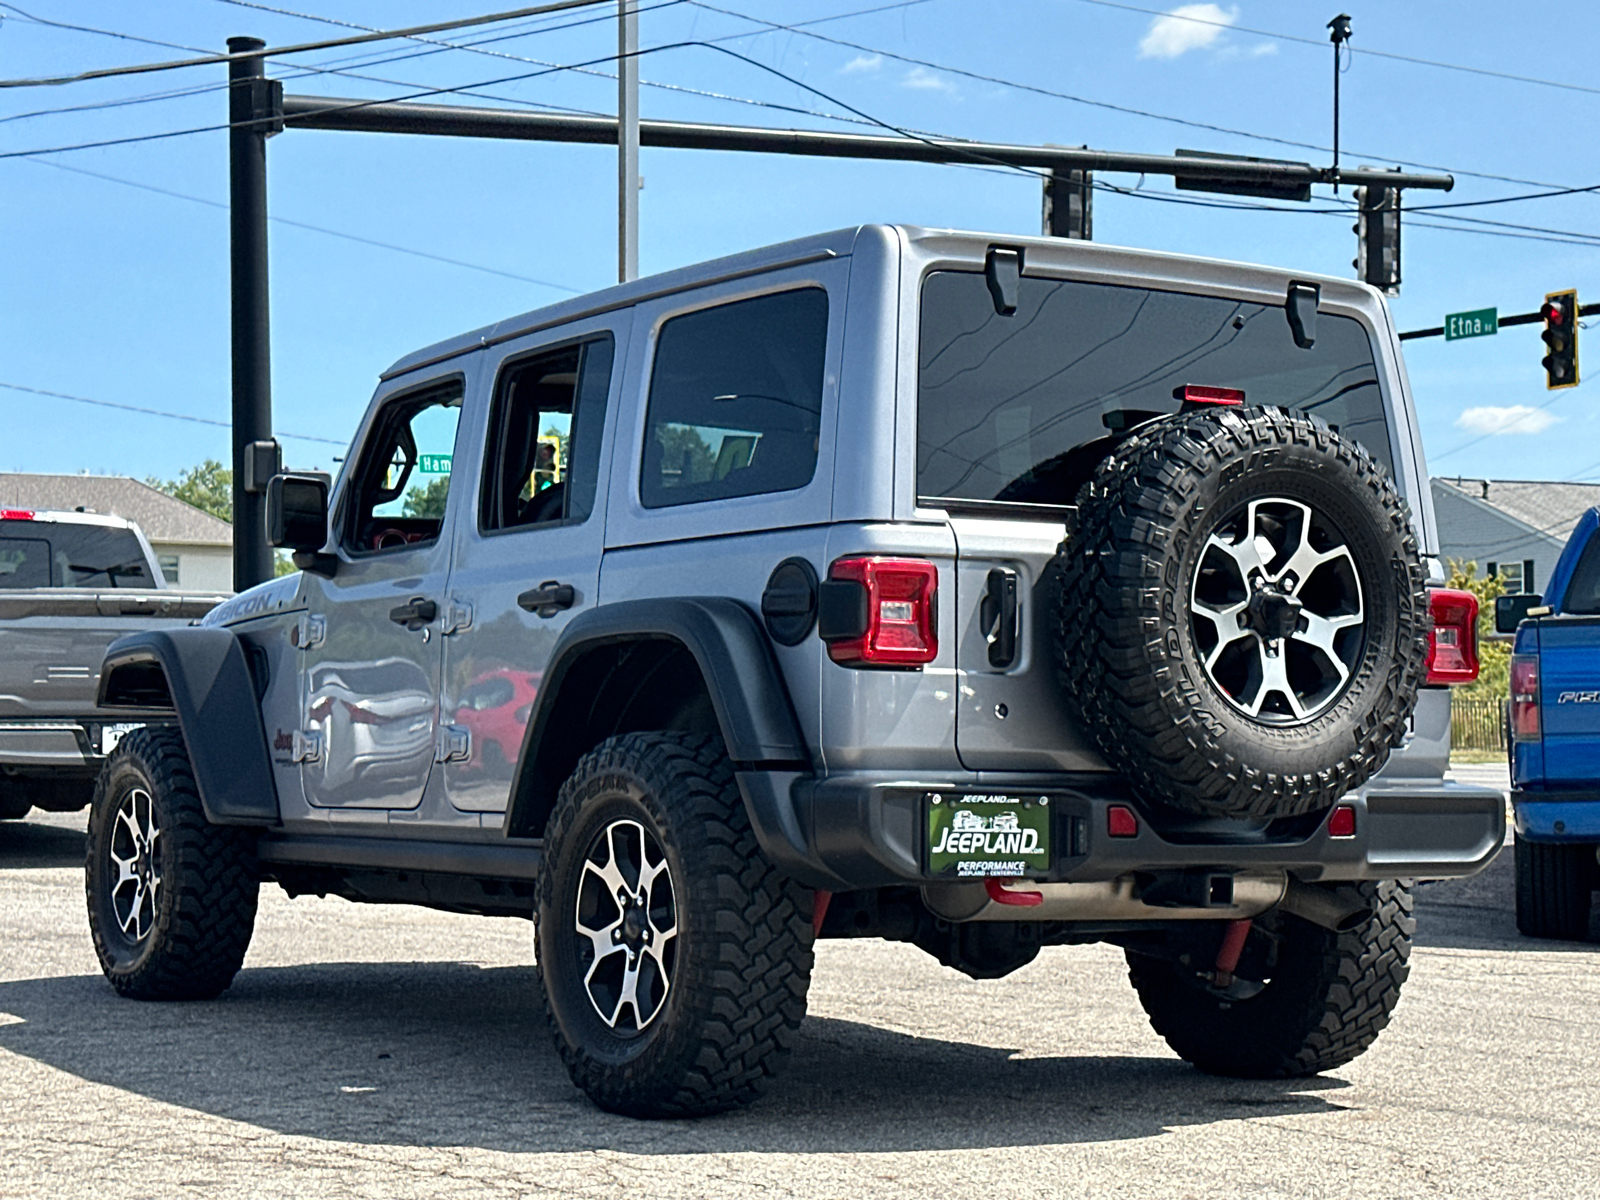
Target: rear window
x,y
1583,593
41,554
1003,401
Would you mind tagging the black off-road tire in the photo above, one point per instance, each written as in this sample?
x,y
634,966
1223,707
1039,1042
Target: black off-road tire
x,y
1127,653
1329,996
190,941
1555,885
743,951
14,802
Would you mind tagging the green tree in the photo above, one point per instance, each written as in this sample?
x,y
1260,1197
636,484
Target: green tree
x,y
427,501
1494,677
208,487
685,455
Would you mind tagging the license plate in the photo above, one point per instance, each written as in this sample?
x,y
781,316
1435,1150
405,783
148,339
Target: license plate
x,y
110,735
977,835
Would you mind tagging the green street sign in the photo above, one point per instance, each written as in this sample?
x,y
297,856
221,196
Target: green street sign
x,y
1480,322
433,464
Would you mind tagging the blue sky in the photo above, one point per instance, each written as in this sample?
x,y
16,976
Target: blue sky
x,y
119,293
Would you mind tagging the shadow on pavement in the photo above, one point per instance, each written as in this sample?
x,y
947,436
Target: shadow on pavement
x,y
435,1054
30,844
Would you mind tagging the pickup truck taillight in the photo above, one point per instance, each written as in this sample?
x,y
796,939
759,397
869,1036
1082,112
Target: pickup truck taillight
x,y
1525,697
1453,642
880,612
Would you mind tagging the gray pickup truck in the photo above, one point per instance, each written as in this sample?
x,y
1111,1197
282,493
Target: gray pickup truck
x,y
70,584
982,593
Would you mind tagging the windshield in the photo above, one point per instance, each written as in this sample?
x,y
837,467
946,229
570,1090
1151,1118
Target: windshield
x,y
39,554
1003,401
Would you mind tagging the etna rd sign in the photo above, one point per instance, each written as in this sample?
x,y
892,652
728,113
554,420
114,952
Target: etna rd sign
x,y
1480,322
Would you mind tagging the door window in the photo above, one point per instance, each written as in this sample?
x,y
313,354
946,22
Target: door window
x,y
736,400
403,479
545,438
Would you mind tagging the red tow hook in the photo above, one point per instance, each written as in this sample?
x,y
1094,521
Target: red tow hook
x,y
819,912
1000,895
1233,940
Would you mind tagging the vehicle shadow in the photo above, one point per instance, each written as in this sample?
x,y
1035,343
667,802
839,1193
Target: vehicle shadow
x,y
31,843
448,1054
1480,913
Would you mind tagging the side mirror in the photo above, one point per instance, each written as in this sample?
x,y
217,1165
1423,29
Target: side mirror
x,y
1511,611
297,519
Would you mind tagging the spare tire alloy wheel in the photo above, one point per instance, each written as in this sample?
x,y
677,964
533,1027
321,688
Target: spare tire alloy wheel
x,y
626,925
1276,610
1243,614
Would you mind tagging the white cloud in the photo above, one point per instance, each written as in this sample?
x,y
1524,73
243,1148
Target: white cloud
x,y
1510,418
862,62
1187,27
924,80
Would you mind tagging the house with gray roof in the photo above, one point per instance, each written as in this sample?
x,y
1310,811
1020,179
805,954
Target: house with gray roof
x,y
1512,528
194,548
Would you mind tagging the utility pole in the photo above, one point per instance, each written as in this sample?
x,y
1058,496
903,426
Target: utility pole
x,y
254,113
627,140
1340,26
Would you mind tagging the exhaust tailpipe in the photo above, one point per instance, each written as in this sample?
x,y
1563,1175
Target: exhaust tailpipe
x,y
1338,909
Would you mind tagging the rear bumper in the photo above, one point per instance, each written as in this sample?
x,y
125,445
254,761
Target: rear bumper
x,y
846,832
1557,817
46,744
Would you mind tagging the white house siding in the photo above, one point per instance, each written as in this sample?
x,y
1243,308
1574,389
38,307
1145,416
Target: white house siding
x,y
200,568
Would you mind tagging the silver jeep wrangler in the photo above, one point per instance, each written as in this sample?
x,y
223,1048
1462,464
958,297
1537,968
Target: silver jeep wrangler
x,y
977,592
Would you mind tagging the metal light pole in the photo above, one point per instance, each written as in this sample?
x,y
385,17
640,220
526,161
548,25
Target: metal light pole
x,y
1340,27
627,140
250,113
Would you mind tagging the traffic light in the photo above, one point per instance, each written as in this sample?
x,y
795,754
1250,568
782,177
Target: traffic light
x,y
1378,238
1069,204
1560,313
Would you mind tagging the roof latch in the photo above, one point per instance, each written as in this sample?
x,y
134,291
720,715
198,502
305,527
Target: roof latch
x,y
1003,270
1301,308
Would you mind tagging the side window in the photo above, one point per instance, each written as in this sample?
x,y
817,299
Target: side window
x,y
403,478
544,437
736,400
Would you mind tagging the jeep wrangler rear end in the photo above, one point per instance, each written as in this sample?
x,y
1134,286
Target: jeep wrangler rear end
x,y
979,593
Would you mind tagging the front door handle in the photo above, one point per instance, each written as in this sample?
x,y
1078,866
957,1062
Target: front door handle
x,y
548,598
415,613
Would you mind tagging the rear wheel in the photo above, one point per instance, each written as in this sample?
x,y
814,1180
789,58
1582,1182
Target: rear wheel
x,y
172,898
1325,999
675,959
1555,885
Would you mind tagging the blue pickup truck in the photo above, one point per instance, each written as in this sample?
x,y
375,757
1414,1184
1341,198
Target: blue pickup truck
x,y
1554,732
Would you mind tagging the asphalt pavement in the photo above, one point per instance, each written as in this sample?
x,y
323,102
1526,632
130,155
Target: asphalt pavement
x,y
395,1052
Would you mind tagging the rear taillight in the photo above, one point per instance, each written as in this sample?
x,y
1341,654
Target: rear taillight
x,y
880,612
1525,697
1453,642
16,514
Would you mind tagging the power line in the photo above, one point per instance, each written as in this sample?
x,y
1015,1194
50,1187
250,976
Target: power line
x,y
1470,442
1137,112
155,412
300,48
1321,44
338,233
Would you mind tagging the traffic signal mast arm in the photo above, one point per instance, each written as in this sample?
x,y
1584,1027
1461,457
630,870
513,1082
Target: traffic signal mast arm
x,y
1533,318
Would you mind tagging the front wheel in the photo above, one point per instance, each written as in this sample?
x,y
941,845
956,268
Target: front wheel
x,y
675,959
172,898
1325,998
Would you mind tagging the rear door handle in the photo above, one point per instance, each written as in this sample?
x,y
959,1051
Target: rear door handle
x,y
415,613
997,617
548,598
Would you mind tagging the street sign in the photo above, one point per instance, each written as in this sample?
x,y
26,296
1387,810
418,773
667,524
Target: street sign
x,y
433,464
1480,322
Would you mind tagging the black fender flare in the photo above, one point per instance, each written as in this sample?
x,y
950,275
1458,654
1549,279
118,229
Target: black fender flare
x,y
205,680
748,696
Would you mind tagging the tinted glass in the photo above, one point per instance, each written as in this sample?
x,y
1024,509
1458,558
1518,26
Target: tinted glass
x,y
736,400
1583,593
62,555
1003,400
545,447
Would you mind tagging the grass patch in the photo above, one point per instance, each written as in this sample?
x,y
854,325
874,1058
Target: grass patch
x,y
1477,756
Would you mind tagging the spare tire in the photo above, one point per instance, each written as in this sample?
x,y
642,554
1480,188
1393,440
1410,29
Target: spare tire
x,y
1242,622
